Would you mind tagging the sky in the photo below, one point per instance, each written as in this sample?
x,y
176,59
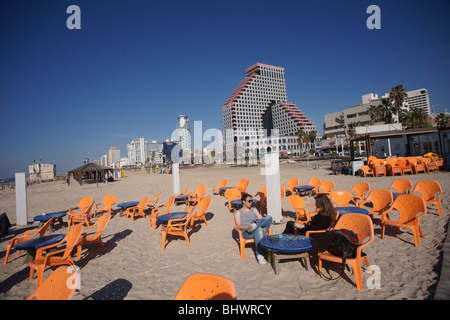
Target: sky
x,y
135,65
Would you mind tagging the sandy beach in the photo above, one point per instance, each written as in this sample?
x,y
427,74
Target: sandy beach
x,y
135,267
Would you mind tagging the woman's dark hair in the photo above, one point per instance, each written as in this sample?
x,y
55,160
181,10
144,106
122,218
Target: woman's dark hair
x,y
323,203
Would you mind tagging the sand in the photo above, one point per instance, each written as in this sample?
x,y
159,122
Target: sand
x,y
135,266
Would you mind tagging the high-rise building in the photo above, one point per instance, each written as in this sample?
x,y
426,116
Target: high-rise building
x,y
420,99
183,132
113,156
260,103
137,151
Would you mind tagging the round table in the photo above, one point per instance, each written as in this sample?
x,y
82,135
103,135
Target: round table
x,y
345,210
32,245
286,246
304,190
43,218
396,194
171,216
125,205
238,202
182,198
223,189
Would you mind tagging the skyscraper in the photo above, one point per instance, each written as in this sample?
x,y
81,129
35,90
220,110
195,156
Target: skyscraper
x,y
183,133
260,103
137,151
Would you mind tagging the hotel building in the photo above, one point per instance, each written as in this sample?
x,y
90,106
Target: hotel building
x,y
137,151
183,133
258,110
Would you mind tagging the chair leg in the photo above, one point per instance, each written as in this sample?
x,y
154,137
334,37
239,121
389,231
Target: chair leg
x,y
357,270
8,249
163,240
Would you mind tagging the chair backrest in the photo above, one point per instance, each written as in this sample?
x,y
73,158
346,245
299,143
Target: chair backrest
x,y
223,183
361,188
56,287
409,206
109,200
428,189
101,224
232,194
342,198
169,203
200,191
72,239
85,204
315,182
380,198
401,185
296,202
293,182
412,160
326,186
391,161
204,205
243,186
204,286
360,224
143,203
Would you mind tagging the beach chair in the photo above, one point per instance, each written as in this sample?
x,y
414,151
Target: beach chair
x,y
290,185
206,286
430,191
94,237
49,259
430,165
230,195
401,186
342,198
408,206
56,287
197,195
204,205
161,210
416,165
381,201
361,225
298,204
28,235
326,187
83,215
360,189
367,171
392,167
379,167
314,182
406,166
242,185
151,203
107,202
139,210
243,242
222,184
177,227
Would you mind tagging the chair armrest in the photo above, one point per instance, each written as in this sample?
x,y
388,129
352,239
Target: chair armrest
x,y
314,231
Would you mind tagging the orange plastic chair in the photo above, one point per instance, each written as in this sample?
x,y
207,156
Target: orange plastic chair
x,y
107,202
28,235
361,225
243,242
49,259
161,210
360,189
290,185
430,165
367,171
87,238
177,227
416,165
393,167
314,182
206,286
138,210
326,187
381,200
197,195
151,203
204,205
222,184
83,215
342,198
430,191
406,166
55,286
232,194
379,167
401,186
408,206
298,204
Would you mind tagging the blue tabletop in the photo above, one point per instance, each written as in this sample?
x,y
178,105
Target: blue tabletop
x,y
170,216
287,243
182,197
396,194
304,187
40,242
238,202
128,204
344,210
47,216
225,188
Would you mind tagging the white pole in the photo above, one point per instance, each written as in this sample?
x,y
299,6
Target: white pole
x,y
21,199
272,173
176,177
389,146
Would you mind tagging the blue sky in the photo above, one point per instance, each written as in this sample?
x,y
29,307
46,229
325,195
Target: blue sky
x,y
135,65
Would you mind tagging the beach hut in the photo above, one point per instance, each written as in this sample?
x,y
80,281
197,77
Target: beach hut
x,y
90,171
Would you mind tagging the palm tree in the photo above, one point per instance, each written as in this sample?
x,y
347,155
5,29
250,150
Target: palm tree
x,y
442,119
414,118
376,113
397,95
